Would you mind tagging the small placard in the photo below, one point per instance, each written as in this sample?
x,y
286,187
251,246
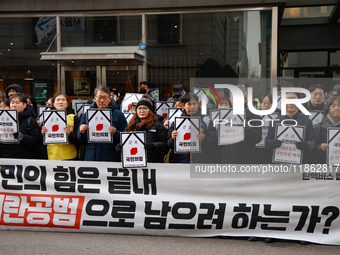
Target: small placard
x,y
55,121
133,149
99,122
8,126
188,128
287,152
231,127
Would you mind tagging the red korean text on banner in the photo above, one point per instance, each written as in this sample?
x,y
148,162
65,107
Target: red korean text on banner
x,y
32,210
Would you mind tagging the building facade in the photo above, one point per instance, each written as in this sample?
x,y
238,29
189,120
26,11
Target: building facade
x,y
73,46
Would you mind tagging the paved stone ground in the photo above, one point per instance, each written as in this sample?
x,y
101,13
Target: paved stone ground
x,y
29,242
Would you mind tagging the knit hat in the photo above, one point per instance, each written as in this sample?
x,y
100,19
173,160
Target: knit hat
x,y
16,87
145,100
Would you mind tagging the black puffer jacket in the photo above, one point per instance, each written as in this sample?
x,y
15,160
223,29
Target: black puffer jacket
x,y
157,136
27,147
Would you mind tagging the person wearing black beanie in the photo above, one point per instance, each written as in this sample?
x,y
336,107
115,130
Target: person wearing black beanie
x,y
155,133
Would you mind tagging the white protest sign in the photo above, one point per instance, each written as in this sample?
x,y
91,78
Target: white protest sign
x,y
55,121
287,152
40,110
128,99
128,116
188,128
173,113
231,127
8,125
333,150
162,108
133,149
99,122
214,116
316,117
81,108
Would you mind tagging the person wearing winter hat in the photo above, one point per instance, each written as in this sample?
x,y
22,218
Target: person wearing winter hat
x,y
156,135
17,89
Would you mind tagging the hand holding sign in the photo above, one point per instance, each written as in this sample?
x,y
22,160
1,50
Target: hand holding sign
x,y
83,129
174,134
324,146
112,130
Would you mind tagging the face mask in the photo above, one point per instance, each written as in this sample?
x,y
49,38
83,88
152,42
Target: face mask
x,y
142,91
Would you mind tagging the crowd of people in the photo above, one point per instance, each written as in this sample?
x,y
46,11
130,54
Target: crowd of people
x,y
160,137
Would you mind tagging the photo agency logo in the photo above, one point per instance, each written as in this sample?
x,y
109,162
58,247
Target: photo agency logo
x,y
239,102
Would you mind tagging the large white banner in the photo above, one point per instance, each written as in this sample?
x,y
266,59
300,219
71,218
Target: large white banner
x,y
164,199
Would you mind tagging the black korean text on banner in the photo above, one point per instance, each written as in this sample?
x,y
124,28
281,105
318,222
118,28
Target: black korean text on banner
x,y
8,125
315,117
186,140
162,108
81,108
333,150
214,117
99,122
128,116
231,127
267,121
133,149
128,99
288,153
55,121
173,113
40,109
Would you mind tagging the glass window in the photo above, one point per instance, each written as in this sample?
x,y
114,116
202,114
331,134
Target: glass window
x,y
223,44
307,12
304,59
101,31
335,59
21,42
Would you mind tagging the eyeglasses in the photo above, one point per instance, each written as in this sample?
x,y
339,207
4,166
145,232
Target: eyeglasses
x,y
139,109
102,98
61,100
316,94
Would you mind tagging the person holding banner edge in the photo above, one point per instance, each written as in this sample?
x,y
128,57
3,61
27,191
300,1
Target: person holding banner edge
x,y
145,120
331,118
64,151
28,134
102,151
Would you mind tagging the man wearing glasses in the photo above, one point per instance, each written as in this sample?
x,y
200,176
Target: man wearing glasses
x,y
317,99
102,151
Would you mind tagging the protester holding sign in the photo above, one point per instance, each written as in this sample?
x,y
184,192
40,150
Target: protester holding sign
x,y
244,151
28,135
156,135
102,151
262,154
64,151
294,117
190,105
331,119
